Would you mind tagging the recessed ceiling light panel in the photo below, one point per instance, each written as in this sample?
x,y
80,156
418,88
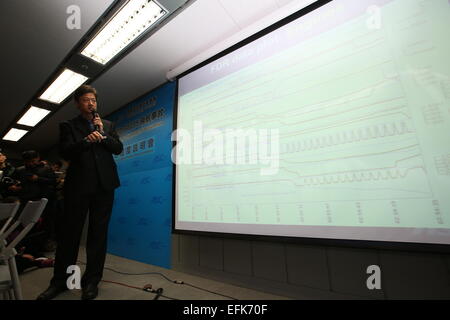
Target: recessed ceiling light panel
x,y
15,134
133,19
33,116
67,82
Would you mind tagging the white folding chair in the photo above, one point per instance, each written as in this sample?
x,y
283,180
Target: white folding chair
x,y
7,212
9,278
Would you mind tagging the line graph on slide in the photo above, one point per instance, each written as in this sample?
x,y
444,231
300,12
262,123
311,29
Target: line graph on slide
x,y
344,105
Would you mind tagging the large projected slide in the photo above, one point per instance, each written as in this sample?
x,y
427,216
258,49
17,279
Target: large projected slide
x,y
336,125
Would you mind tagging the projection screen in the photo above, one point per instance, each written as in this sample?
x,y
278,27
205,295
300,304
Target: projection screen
x,y
333,126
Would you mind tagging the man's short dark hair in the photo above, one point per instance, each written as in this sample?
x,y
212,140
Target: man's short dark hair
x,y
83,90
58,163
30,154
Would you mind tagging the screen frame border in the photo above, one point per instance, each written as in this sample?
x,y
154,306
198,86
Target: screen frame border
x,y
327,242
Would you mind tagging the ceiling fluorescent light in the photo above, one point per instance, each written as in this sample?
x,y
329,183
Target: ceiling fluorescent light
x,y
14,134
67,82
33,116
133,19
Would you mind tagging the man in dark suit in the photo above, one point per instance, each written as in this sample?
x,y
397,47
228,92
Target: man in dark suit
x,y
36,179
88,143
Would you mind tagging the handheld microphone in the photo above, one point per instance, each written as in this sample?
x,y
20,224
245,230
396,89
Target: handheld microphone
x,y
94,115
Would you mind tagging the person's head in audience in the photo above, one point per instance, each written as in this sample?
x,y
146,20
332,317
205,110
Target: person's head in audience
x,y
57,166
2,160
31,159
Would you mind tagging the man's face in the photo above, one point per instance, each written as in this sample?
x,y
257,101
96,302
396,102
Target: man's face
x,y
32,162
2,158
87,103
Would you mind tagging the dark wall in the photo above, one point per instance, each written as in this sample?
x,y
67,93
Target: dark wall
x,y
313,272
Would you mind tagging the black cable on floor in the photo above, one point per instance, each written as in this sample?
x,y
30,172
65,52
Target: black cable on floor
x,y
158,292
168,279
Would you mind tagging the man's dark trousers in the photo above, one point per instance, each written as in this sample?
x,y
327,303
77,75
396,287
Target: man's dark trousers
x,y
76,206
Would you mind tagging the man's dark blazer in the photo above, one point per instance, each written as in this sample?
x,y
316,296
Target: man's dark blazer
x,y
91,164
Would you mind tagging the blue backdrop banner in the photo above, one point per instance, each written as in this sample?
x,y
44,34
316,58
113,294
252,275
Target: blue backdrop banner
x,y
140,227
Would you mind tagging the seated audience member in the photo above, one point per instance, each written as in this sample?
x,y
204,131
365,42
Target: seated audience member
x,y
37,180
26,259
8,186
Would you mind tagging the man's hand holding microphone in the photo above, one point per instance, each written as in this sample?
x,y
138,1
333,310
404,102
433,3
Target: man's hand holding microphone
x,y
96,136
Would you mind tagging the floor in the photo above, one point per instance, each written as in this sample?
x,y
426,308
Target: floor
x,y
35,281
